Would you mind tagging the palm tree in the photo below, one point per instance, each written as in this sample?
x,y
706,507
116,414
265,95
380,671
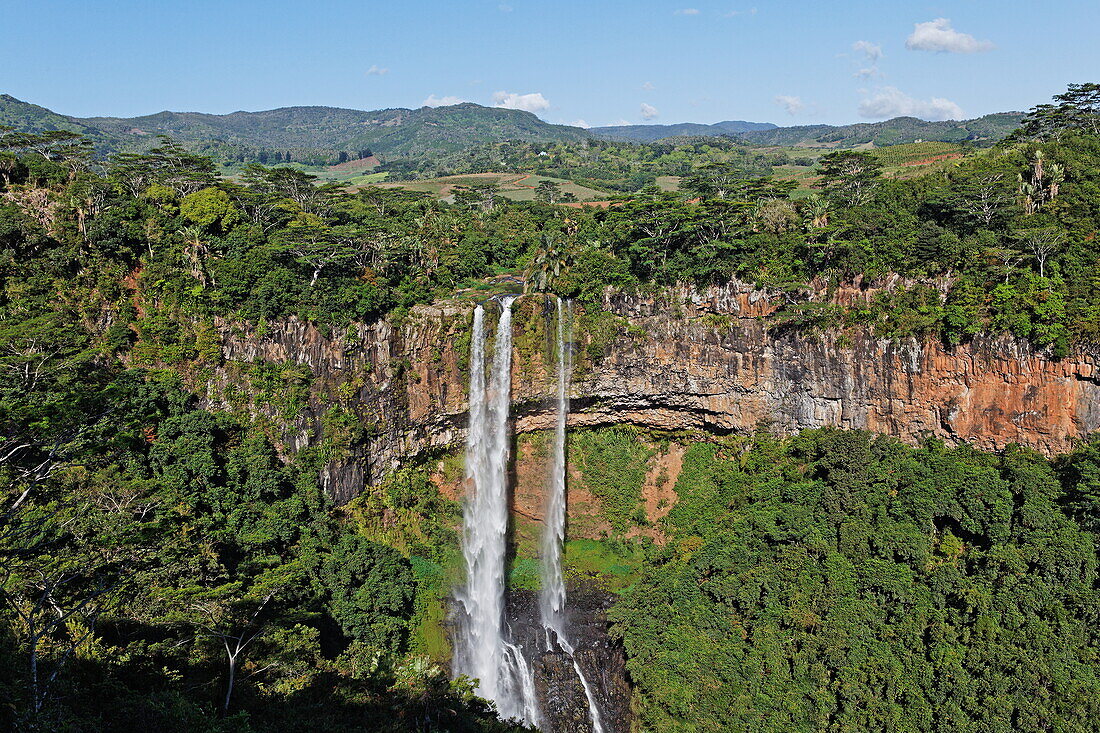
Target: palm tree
x,y
195,250
548,263
817,207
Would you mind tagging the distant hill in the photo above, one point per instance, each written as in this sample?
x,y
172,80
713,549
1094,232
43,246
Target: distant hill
x,y
27,117
988,129
327,135
389,132
649,133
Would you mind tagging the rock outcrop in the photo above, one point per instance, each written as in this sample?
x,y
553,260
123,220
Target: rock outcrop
x,y
681,360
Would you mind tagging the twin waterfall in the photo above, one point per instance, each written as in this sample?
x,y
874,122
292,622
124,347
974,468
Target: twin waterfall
x,y
484,648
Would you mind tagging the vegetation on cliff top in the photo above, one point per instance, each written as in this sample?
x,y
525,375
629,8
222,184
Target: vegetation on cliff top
x,y
1009,235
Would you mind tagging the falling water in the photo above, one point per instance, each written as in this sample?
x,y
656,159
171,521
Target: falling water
x,y
482,651
552,594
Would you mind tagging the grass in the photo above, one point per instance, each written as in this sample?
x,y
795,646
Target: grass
x,y
324,174
514,186
614,564
668,183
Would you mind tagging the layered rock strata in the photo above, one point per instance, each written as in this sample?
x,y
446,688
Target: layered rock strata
x,y
684,359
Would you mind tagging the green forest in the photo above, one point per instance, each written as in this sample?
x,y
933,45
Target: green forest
x,y
841,581
166,563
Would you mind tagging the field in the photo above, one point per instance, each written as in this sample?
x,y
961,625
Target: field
x,y
352,173
912,159
514,186
668,183
899,161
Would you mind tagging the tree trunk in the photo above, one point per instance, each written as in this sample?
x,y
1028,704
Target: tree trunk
x,y
229,686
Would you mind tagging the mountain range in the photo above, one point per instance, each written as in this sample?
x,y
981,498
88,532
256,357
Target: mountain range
x,y
395,133
652,133
390,132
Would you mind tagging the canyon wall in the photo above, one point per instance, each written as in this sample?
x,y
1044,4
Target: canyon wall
x,y
678,360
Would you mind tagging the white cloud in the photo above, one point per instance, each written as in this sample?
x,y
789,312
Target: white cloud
x,y
648,111
872,51
376,70
648,86
735,13
938,35
687,11
533,102
580,123
892,102
445,101
793,105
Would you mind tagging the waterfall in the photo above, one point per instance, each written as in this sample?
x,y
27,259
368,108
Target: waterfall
x,y
484,648
552,593
482,651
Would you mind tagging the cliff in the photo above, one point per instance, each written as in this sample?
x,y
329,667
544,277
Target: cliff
x,y
680,360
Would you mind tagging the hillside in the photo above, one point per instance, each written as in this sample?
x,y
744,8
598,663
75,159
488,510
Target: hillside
x,y
26,117
896,131
809,447
649,133
987,129
325,135
390,132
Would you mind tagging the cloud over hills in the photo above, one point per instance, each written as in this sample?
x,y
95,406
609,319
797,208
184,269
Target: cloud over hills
x,y
533,102
892,102
938,35
444,101
793,105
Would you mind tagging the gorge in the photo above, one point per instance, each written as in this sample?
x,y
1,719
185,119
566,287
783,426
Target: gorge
x,y
684,364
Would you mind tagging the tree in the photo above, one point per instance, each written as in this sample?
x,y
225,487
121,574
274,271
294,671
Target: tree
x,y
849,176
816,209
984,196
210,208
315,246
548,191
1075,110
549,263
1007,257
482,196
714,179
370,588
1042,243
775,216
168,164
288,183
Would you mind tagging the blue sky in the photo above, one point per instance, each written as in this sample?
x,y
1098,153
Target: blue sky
x,y
795,62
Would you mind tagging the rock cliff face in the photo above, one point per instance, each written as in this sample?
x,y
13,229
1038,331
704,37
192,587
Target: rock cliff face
x,y
684,360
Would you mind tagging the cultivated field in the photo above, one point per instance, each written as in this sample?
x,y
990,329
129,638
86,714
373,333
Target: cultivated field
x,y
514,186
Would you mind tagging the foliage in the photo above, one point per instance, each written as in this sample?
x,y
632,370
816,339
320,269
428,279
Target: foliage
x,y
612,465
371,587
841,581
165,563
